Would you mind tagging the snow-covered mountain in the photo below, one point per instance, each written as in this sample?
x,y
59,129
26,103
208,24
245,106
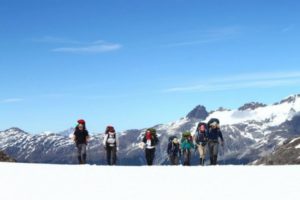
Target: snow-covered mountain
x,y
251,132
286,154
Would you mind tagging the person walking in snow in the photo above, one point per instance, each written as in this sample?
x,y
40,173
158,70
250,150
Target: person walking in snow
x,y
214,133
200,139
187,145
81,137
150,141
174,150
110,144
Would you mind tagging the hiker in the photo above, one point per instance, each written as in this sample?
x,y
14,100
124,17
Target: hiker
x,y
150,140
200,139
81,137
214,133
174,150
110,144
187,145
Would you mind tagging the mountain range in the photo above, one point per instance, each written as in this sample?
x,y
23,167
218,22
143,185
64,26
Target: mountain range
x,y
251,132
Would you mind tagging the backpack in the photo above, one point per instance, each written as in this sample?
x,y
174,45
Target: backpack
x,y
171,138
187,140
186,134
198,134
111,139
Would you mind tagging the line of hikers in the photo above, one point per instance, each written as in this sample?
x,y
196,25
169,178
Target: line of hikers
x,y
208,136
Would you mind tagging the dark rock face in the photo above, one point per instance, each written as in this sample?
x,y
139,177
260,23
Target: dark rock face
x,y
5,158
251,106
287,154
290,99
198,112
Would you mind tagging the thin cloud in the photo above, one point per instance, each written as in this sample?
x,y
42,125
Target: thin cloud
x,y
233,83
11,100
209,36
75,46
287,29
100,48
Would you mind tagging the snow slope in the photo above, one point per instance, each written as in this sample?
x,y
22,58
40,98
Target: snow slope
x,y
271,115
48,182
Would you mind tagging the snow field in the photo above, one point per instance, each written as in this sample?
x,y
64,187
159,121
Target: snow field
x,y
74,182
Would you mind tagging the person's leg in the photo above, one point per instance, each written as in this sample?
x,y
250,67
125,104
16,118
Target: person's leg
x,y
147,155
79,153
189,157
176,160
204,154
171,158
210,148
216,151
186,157
114,156
108,155
201,153
83,153
152,156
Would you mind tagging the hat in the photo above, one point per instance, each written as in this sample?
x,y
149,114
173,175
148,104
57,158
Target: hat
x,y
175,141
81,121
214,124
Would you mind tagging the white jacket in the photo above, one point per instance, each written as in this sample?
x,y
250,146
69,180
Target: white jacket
x,y
111,140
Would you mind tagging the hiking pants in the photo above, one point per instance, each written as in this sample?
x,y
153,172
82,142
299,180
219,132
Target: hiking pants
x,y
186,157
150,154
81,153
111,155
213,147
174,159
202,151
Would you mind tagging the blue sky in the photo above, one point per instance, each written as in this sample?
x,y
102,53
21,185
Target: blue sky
x,y
137,63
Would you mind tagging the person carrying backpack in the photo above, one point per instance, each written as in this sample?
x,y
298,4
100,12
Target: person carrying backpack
x,y
150,140
201,139
187,145
214,133
110,144
81,137
174,150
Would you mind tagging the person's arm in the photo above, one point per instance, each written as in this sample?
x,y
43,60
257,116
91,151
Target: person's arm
x,y
221,136
144,139
195,138
74,136
206,136
117,142
169,148
87,137
105,139
156,140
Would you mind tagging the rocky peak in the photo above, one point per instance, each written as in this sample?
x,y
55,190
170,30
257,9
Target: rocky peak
x,y
290,99
251,106
15,129
5,158
199,112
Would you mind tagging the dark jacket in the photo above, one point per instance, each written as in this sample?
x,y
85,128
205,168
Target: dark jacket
x,y
81,136
215,134
201,138
174,149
